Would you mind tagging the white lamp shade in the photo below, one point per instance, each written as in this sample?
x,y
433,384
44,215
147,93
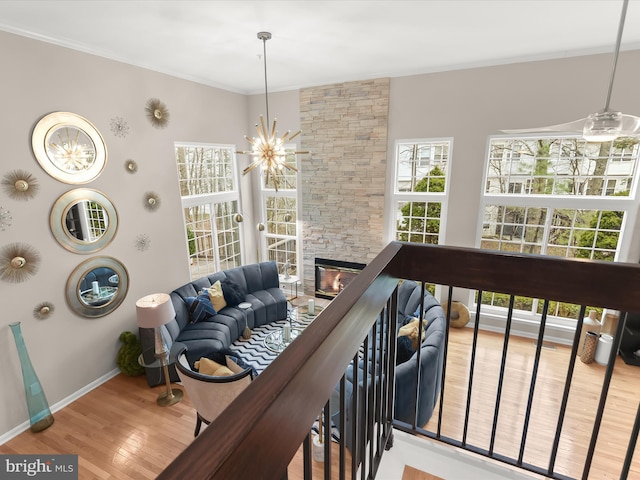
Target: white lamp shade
x,y
154,310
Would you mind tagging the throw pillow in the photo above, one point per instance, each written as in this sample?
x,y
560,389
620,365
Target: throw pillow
x,y
232,292
408,337
200,308
216,296
207,366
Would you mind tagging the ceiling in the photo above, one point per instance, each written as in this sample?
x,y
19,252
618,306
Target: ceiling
x,y
321,42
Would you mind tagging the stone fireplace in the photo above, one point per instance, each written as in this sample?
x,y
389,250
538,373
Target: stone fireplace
x,y
344,126
332,276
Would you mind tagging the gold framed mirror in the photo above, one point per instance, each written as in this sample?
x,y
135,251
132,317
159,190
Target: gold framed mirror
x,y
83,220
69,148
97,287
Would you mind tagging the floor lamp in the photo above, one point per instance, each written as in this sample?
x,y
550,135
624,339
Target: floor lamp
x,y
153,311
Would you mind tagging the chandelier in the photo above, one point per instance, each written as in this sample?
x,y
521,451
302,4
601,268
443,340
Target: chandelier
x,y
267,149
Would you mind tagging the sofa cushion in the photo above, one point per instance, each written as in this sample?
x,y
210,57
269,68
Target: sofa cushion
x,y
217,296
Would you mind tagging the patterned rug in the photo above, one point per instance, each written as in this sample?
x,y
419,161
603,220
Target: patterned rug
x,y
255,352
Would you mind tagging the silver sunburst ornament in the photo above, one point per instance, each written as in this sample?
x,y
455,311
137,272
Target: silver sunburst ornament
x,y
157,113
143,242
5,219
119,127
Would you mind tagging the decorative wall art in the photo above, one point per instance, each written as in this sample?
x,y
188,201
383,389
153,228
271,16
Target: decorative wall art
x,y
119,127
5,219
143,242
18,261
20,185
151,201
43,310
157,113
69,148
83,220
131,166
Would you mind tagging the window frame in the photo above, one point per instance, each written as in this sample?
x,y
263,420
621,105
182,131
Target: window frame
x,y
627,204
396,196
211,199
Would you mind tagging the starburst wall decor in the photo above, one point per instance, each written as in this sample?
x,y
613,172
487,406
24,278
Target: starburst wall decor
x,y
119,127
157,113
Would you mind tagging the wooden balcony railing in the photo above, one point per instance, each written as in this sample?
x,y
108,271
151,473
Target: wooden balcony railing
x,y
260,433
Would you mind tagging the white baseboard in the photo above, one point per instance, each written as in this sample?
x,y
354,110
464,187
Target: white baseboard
x,y
14,432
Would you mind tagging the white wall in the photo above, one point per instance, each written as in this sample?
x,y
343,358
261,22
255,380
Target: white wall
x,y
69,351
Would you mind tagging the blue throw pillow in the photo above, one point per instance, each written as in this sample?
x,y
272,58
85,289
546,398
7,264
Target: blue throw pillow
x,y
200,307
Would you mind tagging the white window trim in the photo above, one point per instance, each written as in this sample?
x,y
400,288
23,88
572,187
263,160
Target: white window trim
x,y
394,196
214,197
563,327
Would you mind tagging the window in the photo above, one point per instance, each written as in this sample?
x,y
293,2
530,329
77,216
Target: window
x,y
563,197
210,199
419,192
280,218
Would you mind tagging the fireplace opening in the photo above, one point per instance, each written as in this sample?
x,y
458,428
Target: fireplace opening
x,y
332,276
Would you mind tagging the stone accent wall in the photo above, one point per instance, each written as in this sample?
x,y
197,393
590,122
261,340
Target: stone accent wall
x,y
344,126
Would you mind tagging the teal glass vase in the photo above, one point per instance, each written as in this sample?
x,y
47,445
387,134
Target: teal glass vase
x,y
39,412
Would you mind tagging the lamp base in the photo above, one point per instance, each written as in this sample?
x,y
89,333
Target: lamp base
x,y
170,397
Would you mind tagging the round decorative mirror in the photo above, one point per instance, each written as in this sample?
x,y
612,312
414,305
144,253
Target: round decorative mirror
x,y
69,148
83,220
97,286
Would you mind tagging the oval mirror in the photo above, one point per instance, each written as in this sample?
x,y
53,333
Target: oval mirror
x,y
97,286
83,220
69,148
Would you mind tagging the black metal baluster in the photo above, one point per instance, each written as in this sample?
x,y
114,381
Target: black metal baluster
x,y
565,394
472,363
503,362
632,446
534,376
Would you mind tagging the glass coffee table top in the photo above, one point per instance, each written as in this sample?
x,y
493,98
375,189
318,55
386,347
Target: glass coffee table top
x,y
280,339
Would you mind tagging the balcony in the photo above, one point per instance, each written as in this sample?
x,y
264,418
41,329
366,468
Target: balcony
x,y
270,421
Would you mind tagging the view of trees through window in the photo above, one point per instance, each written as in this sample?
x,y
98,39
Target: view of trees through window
x,y
557,196
421,173
210,201
280,214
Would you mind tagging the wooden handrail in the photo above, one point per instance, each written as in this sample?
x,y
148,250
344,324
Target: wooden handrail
x,y
262,430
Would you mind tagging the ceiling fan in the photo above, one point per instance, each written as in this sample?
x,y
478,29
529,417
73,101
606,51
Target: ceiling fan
x,y
602,126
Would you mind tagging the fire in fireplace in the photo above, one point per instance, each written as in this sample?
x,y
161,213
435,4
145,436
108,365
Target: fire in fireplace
x,y
332,276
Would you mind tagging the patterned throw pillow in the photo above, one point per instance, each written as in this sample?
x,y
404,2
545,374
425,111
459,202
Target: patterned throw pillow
x,y
200,308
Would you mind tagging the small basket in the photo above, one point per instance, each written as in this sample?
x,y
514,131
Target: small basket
x,y
589,347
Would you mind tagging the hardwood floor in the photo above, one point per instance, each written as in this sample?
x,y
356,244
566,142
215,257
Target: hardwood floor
x,y
120,433
584,396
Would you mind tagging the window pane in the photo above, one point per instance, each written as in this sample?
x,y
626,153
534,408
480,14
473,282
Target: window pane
x,y
200,240
422,167
281,232
203,170
418,222
561,166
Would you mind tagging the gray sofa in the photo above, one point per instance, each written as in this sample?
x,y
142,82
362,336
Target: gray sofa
x,y
257,284
431,362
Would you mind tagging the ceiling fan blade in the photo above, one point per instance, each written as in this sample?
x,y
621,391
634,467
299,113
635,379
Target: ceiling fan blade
x,y
630,125
570,127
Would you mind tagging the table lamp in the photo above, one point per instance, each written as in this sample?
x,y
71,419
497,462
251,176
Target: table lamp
x,y
153,311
